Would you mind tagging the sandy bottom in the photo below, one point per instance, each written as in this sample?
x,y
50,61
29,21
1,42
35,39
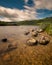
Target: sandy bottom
x,y
24,54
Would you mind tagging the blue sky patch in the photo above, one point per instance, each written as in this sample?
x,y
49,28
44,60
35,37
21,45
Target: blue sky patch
x,y
44,13
12,3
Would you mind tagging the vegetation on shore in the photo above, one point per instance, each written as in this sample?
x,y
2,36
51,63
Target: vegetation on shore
x,y
45,24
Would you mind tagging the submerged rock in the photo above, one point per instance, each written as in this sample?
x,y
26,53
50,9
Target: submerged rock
x,y
4,40
32,30
26,33
11,46
31,41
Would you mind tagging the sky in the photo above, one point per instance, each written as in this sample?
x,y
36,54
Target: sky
x,y
20,10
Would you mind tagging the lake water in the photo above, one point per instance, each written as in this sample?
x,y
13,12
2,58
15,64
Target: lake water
x,y
15,32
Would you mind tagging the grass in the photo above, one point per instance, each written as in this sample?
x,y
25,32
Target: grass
x,y
49,29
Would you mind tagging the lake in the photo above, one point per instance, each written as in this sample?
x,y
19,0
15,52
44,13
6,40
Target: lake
x,y
15,32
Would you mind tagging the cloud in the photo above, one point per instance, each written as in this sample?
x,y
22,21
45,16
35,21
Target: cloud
x,y
26,1
9,14
5,19
43,4
28,13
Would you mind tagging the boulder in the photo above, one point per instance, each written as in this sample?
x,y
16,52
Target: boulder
x,y
31,41
43,40
47,39
40,30
34,33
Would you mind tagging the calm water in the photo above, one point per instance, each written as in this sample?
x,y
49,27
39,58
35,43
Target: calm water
x,y
16,32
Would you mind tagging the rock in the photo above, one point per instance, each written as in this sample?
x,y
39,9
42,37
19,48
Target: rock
x,y
43,40
34,34
32,30
40,30
10,46
26,33
47,39
4,40
31,41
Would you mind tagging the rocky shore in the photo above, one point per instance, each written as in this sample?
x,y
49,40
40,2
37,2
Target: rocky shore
x,y
31,47
37,37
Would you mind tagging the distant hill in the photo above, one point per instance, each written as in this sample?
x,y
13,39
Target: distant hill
x,y
27,22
